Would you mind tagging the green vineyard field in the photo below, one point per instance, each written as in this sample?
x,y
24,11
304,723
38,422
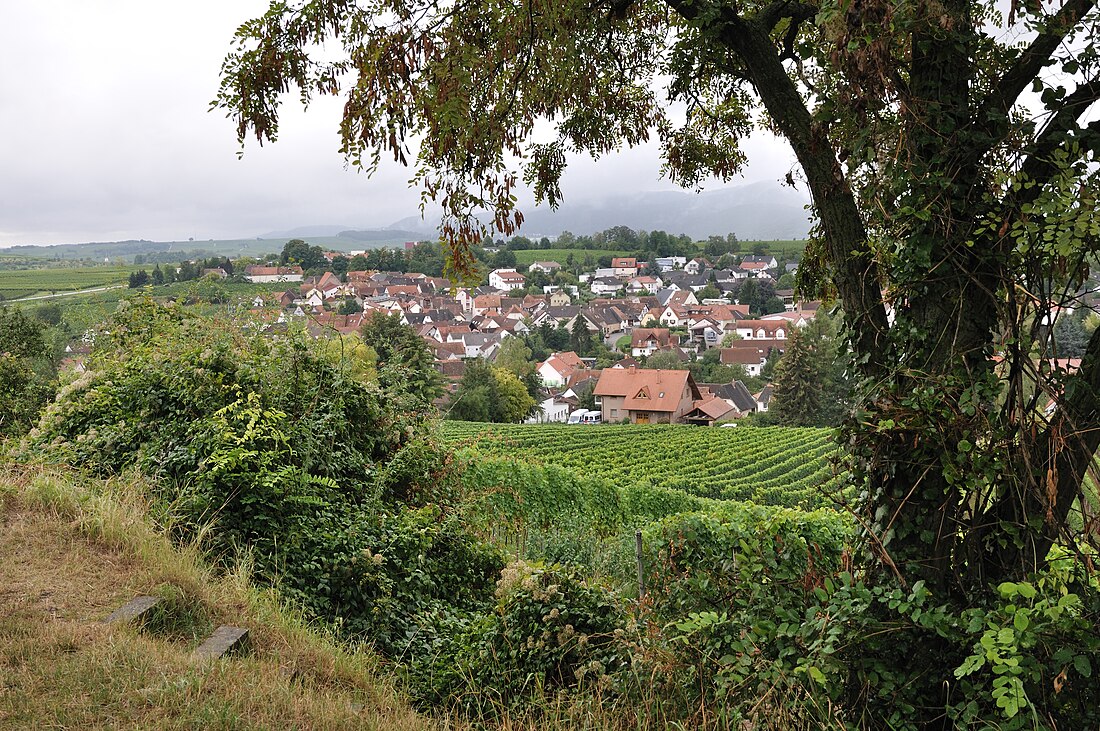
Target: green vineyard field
x,y
26,282
765,465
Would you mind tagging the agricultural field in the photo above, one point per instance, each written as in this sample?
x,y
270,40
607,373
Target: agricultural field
x,y
765,465
18,283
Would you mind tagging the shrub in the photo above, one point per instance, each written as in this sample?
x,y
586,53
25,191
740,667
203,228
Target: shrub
x,y
272,446
551,630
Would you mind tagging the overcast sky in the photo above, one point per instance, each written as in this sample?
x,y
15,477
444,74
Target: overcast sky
x,y
106,135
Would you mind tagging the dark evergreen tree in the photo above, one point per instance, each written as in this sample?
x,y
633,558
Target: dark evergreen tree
x,y
810,386
580,337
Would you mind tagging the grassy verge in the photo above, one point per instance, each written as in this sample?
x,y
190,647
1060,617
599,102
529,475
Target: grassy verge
x,y
69,556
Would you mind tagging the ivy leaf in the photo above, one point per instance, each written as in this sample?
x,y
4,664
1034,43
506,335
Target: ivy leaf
x,y
818,676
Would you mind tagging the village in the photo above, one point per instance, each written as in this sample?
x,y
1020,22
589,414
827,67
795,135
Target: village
x,y
627,331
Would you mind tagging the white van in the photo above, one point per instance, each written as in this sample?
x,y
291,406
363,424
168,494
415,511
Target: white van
x,y
592,417
576,416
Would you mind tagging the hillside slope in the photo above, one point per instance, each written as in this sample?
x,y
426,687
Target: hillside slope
x,y
70,554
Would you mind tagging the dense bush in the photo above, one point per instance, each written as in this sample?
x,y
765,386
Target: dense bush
x,y
551,630
281,448
768,627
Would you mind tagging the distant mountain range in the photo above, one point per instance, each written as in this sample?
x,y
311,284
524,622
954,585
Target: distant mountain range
x,y
365,235
759,211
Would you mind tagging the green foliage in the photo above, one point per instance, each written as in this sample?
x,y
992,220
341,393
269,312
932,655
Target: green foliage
x,y
161,366
26,372
666,360
275,447
810,385
405,363
709,369
48,279
739,591
310,258
954,211
515,356
382,576
1070,337
551,630
580,337
488,393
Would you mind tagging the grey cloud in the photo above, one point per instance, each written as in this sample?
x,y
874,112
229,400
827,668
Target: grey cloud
x,y
107,136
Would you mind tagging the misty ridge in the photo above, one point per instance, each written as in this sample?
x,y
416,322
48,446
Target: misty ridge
x,y
758,211
762,211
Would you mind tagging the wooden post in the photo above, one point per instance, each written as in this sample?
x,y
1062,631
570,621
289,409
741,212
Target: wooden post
x,y
638,558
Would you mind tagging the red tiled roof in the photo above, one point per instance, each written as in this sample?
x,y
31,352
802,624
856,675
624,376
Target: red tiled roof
x,y
642,335
646,390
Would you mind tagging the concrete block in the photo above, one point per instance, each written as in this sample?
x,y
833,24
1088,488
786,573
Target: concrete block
x,y
225,639
133,610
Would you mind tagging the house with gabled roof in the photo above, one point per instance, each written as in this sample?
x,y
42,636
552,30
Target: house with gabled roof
x,y
646,284
673,296
625,363
697,266
705,331
559,299
330,286
624,266
763,329
797,318
643,396
748,354
764,398
558,368
737,395
710,409
546,267
556,316
611,321
645,341
506,280
605,285
481,345
759,261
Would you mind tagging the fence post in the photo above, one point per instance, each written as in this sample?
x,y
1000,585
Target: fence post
x,y
638,558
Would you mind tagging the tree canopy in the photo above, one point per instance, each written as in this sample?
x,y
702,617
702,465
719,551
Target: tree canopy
x,y
404,360
489,393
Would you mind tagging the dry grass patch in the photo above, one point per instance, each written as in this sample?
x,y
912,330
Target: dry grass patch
x,y
70,555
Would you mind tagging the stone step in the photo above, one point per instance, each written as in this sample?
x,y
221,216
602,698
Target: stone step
x,y
225,639
134,610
